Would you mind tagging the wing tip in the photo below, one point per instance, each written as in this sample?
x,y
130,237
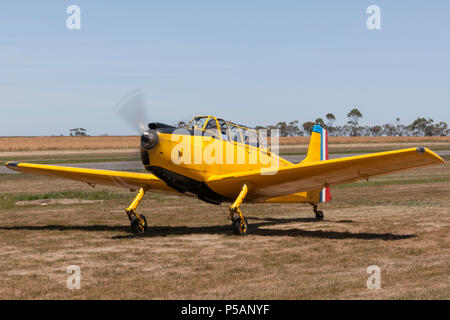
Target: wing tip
x,y
423,150
12,165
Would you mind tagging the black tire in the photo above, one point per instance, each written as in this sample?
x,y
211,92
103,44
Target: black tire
x,y
145,222
136,228
237,226
319,215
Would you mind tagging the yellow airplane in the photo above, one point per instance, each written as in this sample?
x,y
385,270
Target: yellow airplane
x,y
219,161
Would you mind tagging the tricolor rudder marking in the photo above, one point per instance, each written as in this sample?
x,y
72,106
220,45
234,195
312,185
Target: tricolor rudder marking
x,y
325,194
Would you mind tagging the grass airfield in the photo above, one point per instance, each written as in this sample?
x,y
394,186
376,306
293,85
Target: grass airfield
x,y
398,222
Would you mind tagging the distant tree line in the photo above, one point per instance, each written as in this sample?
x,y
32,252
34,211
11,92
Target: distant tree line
x,y
421,127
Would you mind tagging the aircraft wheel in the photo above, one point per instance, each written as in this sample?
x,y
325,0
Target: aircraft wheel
x,y
237,226
136,226
319,215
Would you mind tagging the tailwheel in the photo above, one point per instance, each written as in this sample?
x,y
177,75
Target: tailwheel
x,y
240,228
319,215
138,225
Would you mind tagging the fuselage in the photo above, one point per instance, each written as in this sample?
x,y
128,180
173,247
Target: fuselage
x,y
186,158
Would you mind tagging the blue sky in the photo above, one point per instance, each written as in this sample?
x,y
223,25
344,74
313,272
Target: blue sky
x,y
255,62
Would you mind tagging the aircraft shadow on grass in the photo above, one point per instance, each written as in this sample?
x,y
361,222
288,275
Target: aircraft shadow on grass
x,y
254,229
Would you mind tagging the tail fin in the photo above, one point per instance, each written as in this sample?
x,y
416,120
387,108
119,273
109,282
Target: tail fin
x,y
318,151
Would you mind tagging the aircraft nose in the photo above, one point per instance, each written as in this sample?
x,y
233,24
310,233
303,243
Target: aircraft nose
x,y
149,139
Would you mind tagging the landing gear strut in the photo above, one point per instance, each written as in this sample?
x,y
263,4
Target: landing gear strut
x,y
240,225
319,214
138,221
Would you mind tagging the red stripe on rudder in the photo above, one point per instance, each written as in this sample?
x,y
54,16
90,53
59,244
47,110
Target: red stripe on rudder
x,y
327,194
327,189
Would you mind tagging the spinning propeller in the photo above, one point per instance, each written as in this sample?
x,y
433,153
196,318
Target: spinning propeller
x,y
132,109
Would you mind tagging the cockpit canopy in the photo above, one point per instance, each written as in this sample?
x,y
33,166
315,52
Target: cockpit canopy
x,y
226,130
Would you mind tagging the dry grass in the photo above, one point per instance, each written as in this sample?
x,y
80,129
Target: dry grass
x,y
17,144
189,251
67,143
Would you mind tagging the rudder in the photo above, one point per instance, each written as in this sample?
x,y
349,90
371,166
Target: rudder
x,y
318,151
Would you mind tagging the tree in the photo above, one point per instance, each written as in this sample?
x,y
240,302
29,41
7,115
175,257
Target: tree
x,y
399,128
293,129
331,119
308,127
440,129
389,129
290,129
354,115
320,122
376,130
421,127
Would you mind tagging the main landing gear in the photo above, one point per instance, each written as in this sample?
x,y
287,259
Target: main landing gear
x,y
137,221
319,214
240,224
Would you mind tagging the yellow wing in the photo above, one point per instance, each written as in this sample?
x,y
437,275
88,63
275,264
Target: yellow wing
x,y
128,180
269,183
